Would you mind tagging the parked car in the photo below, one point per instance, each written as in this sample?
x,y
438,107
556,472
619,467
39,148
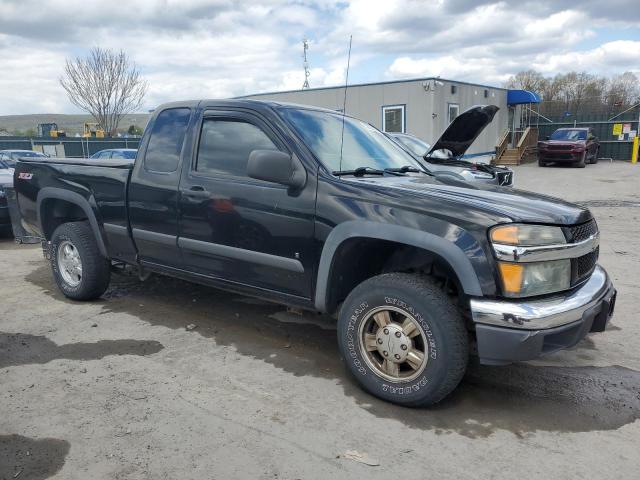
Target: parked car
x,y
6,180
117,153
10,157
309,208
577,146
446,156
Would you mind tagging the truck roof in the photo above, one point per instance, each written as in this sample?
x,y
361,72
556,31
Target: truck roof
x,y
233,102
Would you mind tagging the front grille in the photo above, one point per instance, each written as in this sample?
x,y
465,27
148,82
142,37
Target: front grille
x,y
560,147
559,156
582,267
579,233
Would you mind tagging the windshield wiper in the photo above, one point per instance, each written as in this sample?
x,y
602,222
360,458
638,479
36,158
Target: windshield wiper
x,y
403,169
408,168
359,172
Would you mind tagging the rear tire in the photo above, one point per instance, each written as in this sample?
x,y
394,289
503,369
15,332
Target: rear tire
x,y
79,269
594,160
403,339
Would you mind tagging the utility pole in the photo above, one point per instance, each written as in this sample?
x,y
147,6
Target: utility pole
x,y
307,73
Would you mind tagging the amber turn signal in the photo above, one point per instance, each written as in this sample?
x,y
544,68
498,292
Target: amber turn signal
x,y
507,235
511,274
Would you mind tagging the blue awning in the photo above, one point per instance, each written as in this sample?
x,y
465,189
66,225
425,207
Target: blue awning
x,y
518,97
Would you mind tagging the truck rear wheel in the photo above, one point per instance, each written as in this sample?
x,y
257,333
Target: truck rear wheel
x,y
79,269
403,339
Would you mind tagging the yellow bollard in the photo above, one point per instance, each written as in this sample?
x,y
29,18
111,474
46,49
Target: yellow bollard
x,y
634,153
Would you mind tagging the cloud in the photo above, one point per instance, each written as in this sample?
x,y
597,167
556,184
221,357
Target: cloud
x,y
222,48
612,57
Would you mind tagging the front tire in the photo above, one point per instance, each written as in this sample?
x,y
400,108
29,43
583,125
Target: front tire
x,y
79,269
403,339
582,162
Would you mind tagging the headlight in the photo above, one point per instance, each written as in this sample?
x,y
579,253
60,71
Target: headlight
x,y
528,279
522,277
527,235
479,174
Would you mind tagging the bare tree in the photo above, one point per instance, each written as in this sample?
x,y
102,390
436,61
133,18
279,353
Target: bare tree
x,y
528,80
105,84
623,90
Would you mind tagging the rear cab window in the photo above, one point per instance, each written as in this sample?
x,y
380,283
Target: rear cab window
x,y
166,140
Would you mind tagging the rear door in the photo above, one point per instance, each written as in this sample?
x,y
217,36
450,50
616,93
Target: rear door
x,y
153,189
237,228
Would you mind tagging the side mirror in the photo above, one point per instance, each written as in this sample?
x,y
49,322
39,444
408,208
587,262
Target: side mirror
x,y
277,167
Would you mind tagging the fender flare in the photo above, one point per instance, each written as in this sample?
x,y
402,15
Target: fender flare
x,y
446,249
48,193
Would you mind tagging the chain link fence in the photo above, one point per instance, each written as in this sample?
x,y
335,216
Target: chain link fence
x,y
70,147
614,126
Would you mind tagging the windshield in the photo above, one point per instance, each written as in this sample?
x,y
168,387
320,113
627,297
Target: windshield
x,y
415,145
364,146
569,134
4,164
26,153
124,154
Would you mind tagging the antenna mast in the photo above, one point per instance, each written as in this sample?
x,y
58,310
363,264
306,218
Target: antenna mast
x,y
344,103
307,73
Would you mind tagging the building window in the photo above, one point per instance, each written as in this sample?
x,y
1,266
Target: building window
x,y
486,94
393,119
454,89
454,109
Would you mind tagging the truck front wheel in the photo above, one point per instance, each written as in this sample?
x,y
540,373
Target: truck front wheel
x,y
79,269
403,339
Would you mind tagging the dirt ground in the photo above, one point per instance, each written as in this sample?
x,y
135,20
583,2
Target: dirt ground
x,y
121,388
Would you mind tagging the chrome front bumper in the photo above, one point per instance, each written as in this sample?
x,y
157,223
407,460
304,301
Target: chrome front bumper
x,y
510,331
546,313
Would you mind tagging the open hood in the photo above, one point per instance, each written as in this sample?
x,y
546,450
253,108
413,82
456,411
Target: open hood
x,y
464,129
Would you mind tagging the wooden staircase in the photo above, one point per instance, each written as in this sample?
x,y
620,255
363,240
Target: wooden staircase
x,y
525,150
511,156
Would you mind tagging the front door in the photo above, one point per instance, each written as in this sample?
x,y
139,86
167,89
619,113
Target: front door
x,y
240,229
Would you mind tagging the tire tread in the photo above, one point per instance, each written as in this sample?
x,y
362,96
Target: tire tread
x,y
96,272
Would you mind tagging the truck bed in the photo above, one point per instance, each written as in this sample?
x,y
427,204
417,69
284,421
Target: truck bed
x,y
101,184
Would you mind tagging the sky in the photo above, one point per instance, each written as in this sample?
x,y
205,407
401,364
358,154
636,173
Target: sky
x,y
189,49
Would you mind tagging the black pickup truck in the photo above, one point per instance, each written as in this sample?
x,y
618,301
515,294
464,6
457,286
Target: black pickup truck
x,y
320,211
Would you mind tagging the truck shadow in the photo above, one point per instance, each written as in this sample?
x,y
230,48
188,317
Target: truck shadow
x,y
30,458
519,398
23,349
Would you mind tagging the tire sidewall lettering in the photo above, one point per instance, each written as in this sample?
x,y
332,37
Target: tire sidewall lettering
x,y
351,337
355,356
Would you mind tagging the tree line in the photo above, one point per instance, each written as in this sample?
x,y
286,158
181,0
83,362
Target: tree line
x,y
580,92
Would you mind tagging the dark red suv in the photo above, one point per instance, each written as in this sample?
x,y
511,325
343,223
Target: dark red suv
x,y
577,146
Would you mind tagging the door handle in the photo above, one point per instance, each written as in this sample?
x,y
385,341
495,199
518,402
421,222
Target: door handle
x,y
197,191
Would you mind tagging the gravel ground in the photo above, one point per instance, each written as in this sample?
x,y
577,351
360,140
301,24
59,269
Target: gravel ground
x,y
125,388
